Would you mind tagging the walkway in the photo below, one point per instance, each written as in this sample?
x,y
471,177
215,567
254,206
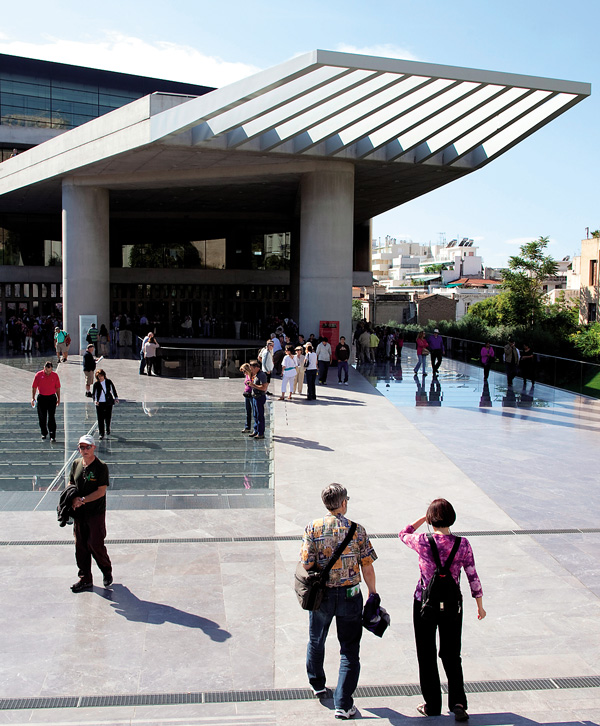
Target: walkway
x,y
202,621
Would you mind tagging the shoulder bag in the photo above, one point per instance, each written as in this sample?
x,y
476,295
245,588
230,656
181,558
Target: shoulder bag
x,y
310,584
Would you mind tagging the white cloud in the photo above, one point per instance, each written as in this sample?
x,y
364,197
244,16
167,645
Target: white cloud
x,y
114,51
386,50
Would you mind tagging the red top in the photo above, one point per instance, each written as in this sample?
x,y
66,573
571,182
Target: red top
x,y
46,385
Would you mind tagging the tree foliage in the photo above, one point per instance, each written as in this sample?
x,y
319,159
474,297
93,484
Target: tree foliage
x,y
523,283
587,340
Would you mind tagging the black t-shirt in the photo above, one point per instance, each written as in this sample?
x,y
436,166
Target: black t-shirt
x,y
88,480
89,362
342,351
259,380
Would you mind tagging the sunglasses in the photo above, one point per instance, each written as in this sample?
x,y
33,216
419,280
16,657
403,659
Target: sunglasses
x,y
84,447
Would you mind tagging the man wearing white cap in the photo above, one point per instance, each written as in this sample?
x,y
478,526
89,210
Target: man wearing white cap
x,y
90,476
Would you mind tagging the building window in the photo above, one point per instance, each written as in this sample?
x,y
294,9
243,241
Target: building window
x,y
593,273
591,313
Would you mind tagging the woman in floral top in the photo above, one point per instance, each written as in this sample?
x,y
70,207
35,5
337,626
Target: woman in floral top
x,y
441,516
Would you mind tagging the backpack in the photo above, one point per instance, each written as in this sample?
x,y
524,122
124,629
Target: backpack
x,y
441,600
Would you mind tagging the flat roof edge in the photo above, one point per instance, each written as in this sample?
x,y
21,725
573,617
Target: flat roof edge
x,y
420,68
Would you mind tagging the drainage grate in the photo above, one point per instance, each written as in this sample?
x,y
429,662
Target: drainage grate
x,y
284,694
286,537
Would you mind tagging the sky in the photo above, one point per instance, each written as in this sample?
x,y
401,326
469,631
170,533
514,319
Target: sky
x,y
545,186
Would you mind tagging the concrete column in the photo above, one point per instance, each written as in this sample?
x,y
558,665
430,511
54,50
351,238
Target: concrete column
x,y
86,263
326,248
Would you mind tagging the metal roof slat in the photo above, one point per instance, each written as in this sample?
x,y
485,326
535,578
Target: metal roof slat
x,y
276,97
328,96
498,129
396,117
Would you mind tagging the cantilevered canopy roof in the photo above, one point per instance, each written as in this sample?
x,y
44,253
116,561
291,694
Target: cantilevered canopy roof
x,y
407,128
340,105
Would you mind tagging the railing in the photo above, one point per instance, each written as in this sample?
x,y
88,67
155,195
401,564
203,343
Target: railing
x,y
203,362
572,375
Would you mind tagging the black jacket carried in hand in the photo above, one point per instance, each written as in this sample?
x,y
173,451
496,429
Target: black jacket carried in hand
x,y
64,504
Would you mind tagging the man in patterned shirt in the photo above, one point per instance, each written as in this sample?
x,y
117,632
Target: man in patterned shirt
x,y
342,599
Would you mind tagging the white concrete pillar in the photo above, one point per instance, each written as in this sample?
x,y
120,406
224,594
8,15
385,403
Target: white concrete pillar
x,y
86,258
326,248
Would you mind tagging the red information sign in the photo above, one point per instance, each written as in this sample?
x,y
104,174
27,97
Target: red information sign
x,y
330,329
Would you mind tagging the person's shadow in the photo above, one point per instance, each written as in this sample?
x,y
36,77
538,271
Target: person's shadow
x,y
125,603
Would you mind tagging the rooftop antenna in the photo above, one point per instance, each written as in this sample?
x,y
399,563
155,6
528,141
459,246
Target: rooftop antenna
x,y
442,238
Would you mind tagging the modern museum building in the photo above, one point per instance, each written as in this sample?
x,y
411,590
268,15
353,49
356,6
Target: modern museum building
x,y
126,194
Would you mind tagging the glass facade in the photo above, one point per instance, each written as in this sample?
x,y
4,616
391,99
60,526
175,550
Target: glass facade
x,y
58,96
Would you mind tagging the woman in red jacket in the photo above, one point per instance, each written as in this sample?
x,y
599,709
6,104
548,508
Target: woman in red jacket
x,y
422,352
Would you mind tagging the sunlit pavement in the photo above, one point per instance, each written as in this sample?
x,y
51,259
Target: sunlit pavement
x,y
202,625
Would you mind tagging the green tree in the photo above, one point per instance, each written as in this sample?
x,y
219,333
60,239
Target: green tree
x,y
431,269
489,311
524,302
587,340
357,312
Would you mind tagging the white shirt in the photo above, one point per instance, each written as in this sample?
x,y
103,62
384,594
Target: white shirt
x,y
324,351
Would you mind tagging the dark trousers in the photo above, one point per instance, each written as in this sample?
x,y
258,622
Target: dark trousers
x,y
152,365
511,372
104,414
89,542
248,402
258,410
436,360
486,369
142,362
429,677
311,390
46,408
323,369
343,366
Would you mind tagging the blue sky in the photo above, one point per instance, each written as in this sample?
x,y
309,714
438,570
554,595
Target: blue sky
x,y
547,185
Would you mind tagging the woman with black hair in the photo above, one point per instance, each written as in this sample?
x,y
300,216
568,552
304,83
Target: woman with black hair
x,y
441,516
105,396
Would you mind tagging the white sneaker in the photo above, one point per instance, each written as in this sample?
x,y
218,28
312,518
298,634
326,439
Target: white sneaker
x,y
339,383
345,383
350,713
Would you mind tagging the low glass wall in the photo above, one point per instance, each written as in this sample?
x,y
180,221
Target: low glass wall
x,y
572,375
203,362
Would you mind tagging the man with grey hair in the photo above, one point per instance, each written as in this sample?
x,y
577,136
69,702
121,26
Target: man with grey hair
x,y
342,599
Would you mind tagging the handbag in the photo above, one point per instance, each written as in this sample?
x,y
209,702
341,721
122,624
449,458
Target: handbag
x,y
425,351
309,585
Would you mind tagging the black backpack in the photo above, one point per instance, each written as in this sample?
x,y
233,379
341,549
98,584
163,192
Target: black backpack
x,y
441,600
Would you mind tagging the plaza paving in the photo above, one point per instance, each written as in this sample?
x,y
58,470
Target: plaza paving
x,y
202,625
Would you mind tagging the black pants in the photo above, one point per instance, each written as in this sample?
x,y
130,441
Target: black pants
x,y
436,360
104,414
429,677
89,542
311,391
511,372
323,370
46,408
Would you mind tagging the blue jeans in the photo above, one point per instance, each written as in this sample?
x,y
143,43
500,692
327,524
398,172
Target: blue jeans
x,y
348,616
343,366
421,361
258,411
248,402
